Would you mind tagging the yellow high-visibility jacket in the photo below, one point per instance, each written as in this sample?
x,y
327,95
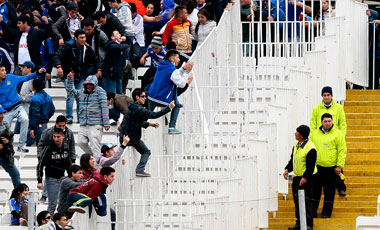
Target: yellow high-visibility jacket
x,y
299,158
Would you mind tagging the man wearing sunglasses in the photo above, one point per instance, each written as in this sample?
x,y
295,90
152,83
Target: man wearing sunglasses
x,y
43,218
135,119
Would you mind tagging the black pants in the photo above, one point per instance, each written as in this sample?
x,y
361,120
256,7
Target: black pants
x,y
340,186
326,178
148,77
308,199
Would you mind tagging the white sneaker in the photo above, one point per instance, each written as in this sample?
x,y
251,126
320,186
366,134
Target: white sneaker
x,y
113,122
77,209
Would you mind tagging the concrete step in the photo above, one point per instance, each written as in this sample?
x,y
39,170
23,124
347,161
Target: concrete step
x,y
361,103
362,92
362,144
363,121
365,133
362,115
350,97
361,109
373,139
363,127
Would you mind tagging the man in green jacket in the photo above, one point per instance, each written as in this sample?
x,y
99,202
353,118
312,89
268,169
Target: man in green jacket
x,y
302,162
328,105
332,150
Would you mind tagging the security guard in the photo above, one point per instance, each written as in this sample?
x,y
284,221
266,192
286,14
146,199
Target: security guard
x,y
328,105
302,162
332,150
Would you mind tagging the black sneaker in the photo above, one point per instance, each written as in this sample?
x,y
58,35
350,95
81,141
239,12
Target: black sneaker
x,y
342,193
23,150
69,121
142,174
42,199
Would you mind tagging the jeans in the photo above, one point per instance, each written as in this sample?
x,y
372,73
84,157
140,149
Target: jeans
x,y
173,115
19,113
145,153
13,172
70,100
52,185
112,85
37,135
114,114
78,199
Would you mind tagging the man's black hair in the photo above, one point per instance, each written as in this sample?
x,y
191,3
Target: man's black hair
x,y
60,119
73,169
58,216
98,15
137,92
89,22
105,171
58,131
178,10
189,5
23,18
326,115
78,32
110,95
171,45
171,53
133,8
41,216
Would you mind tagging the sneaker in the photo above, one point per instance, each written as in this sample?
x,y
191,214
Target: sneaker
x,y
142,174
69,121
58,80
342,193
76,209
22,149
68,227
173,131
113,122
24,223
42,199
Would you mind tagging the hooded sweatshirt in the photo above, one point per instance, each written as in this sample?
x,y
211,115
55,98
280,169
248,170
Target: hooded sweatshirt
x,y
41,109
93,108
92,188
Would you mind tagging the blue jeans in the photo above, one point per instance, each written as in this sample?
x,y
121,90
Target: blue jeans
x,y
19,113
37,135
114,114
13,172
145,153
78,199
173,115
52,185
112,85
70,100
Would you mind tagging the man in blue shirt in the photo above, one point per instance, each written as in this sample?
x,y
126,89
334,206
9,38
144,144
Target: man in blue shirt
x,y
11,102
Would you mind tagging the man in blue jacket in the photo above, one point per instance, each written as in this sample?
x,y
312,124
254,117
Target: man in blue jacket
x,y
165,83
40,111
11,102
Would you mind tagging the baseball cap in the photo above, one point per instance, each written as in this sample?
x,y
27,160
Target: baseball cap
x,y
29,64
106,147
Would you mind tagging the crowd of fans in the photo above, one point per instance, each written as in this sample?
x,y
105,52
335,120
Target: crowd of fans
x,y
91,46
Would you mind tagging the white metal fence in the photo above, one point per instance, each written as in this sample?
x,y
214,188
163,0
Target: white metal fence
x,y
238,121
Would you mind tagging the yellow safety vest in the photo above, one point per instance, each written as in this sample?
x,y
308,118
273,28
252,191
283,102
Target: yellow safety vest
x,y
299,158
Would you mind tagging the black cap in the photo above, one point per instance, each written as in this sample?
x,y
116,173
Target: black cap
x,y
106,147
38,84
327,89
304,130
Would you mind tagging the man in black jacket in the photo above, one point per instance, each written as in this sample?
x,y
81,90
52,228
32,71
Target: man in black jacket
x,y
117,54
55,158
6,150
26,40
110,23
96,38
77,57
134,120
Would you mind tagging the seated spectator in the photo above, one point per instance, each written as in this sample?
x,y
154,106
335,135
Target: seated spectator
x,y
109,23
73,180
59,222
87,163
18,205
156,52
178,30
41,110
204,27
117,103
65,27
114,62
43,218
164,87
6,150
85,194
109,156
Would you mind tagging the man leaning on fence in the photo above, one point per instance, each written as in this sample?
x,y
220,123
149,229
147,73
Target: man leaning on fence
x,y
302,162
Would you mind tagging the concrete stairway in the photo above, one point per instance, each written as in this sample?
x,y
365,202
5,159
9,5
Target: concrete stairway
x,y
362,169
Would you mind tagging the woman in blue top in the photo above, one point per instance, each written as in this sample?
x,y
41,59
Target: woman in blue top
x,y
18,205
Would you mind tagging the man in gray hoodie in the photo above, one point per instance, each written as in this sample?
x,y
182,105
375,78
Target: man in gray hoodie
x,y
73,180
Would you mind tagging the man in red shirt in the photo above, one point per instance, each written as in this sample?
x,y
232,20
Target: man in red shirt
x,y
85,194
